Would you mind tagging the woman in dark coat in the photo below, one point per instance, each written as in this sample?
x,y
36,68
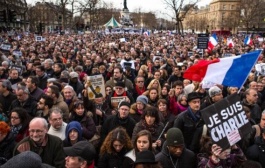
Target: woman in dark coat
x,y
79,114
150,121
19,123
114,148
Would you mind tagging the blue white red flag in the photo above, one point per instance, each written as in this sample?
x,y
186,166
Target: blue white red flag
x,y
229,71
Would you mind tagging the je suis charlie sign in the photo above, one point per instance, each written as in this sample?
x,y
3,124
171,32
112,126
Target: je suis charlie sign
x,y
226,121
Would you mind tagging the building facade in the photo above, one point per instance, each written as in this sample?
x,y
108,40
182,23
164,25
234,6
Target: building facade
x,y
14,14
219,15
47,17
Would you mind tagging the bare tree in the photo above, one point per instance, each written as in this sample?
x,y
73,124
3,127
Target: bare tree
x,y
251,13
177,7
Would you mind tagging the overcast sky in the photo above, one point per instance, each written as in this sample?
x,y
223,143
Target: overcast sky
x,y
156,6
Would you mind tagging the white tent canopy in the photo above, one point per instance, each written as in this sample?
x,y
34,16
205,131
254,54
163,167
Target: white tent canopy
x,y
112,22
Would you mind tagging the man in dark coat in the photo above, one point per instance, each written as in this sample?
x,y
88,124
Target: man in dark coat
x,y
49,147
190,121
174,154
122,119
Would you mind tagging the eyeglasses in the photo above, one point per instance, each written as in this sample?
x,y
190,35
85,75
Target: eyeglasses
x,y
140,81
118,88
108,90
36,131
14,118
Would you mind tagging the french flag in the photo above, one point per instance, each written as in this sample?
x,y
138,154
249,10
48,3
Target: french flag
x,y
213,41
248,40
229,71
230,43
146,33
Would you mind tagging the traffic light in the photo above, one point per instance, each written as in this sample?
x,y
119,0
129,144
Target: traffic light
x,y
3,16
12,16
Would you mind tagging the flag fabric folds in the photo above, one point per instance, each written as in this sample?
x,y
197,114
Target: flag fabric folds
x,y
146,33
248,40
212,42
230,43
229,71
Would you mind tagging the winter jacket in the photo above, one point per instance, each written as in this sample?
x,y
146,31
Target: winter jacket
x,y
255,110
139,127
186,160
6,147
115,121
51,151
60,103
112,160
256,152
189,128
30,105
88,125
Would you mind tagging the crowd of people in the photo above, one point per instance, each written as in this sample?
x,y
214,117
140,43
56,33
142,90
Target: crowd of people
x,y
47,118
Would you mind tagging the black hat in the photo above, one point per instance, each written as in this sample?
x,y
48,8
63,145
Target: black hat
x,y
146,156
174,137
120,84
82,149
193,95
124,103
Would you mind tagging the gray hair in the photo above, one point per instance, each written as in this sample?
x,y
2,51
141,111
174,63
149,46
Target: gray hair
x,y
44,122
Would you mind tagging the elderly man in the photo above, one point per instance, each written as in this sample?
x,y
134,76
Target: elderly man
x,y
25,101
49,147
57,127
250,100
190,121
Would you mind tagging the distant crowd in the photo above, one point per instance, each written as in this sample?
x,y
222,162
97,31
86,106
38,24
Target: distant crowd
x,y
48,118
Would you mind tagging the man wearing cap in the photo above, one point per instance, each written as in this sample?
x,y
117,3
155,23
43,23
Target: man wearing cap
x,y
80,155
122,118
190,121
75,83
6,95
215,95
119,92
174,153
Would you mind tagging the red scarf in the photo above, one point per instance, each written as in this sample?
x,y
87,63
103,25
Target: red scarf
x,y
139,91
115,94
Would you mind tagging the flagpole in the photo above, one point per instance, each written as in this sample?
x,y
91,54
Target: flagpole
x,y
248,73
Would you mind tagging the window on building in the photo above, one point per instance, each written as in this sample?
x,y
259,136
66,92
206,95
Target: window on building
x,y
232,7
224,7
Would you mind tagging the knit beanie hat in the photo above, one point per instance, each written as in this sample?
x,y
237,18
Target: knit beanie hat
x,y
214,91
73,125
143,99
124,103
174,137
27,159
